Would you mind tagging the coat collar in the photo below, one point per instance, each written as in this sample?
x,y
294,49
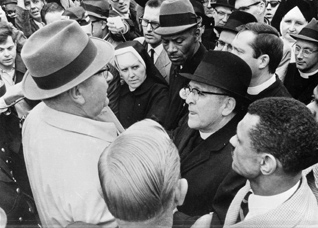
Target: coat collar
x,y
212,144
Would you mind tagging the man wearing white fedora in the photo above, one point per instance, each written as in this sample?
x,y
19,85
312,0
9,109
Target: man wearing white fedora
x,y
62,139
180,33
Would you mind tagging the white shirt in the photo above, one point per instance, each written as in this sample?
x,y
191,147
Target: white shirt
x,y
259,88
258,205
61,154
157,52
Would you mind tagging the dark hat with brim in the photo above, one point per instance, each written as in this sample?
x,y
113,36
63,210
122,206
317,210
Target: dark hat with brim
x,y
176,16
96,8
224,3
309,32
223,70
59,57
236,19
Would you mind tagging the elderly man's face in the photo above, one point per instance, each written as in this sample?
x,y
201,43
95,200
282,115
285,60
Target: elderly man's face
x,y
7,53
181,46
94,90
122,6
35,7
243,49
205,113
246,161
254,7
306,54
221,15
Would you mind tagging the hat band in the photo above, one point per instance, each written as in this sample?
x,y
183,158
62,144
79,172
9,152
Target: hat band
x,y
95,9
69,72
171,20
309,33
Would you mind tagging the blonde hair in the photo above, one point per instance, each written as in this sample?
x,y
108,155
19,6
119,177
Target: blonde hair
x,y
139,172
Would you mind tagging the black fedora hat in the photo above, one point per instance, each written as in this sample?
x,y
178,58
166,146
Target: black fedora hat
x,y
236,19
223,70
309,32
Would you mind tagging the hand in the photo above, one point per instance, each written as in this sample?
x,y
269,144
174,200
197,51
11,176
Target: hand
x,y
116,25
13,93
203,222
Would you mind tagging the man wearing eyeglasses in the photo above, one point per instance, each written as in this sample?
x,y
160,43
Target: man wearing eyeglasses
x,y
151,40
216,103
259,45
63,136
271,7
255,7
302,76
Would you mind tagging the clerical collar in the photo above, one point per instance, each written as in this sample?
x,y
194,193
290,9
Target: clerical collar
x,y
307,75
259,88
204,136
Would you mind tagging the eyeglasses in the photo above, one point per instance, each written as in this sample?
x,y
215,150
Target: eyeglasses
x,y
222,14
221,44
144,22
104,72
305,51
245,8
185,92
272,3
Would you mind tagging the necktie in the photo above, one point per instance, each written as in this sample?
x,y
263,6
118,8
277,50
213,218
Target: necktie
x,y
244,207
152,53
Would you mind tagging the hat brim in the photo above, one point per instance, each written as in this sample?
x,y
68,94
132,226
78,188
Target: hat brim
x,y
105,53
174,30
211,82
302,37
96,15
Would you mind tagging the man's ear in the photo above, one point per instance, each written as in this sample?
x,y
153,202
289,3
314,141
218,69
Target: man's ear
x,y
181,191
229,106
76,94
263,61
268,164
104,24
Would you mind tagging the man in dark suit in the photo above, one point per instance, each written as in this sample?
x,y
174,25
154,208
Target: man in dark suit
x,y
216,99
151,40
180,33
302,76
261,48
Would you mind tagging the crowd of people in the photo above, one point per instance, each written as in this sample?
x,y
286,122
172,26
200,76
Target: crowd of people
x,y
158,113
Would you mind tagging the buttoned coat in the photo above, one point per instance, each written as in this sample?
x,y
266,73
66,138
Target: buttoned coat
x,y
300,210
208,170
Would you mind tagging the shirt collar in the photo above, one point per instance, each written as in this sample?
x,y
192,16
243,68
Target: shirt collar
x,y
157,49
307,75
258,205
259,88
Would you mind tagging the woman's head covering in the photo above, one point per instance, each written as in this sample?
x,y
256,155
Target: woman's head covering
x,y
140,52
307,8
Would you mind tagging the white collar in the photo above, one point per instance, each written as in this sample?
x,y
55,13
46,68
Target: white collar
x,y
307,75
157,49
259,88
204,136
258,205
